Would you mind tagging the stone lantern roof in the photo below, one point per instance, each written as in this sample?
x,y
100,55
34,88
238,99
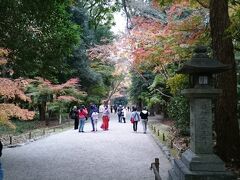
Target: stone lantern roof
x,y
202,64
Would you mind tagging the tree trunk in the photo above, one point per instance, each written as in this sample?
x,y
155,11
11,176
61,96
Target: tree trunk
x,y
42,112
227,129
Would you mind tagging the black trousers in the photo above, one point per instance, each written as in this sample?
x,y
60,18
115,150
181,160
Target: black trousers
x,y
135,125
119,118
76,123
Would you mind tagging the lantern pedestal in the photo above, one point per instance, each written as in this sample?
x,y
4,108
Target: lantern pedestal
x,y
181,172
199,162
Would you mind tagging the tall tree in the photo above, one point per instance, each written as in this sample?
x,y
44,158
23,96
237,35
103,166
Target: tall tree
x,y
227,127
94,31
40,35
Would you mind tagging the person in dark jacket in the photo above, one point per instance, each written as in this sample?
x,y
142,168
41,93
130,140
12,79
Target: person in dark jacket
x,y
1,170
144,116
74,115
93,108
1,147
120,113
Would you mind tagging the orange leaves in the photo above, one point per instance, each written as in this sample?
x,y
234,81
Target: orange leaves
x,y
73,82
7,111
102,52
145,31
12,110
156,43
10,90
55,88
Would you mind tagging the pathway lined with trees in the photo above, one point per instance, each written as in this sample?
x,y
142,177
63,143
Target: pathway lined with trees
x,y
115,154
56,54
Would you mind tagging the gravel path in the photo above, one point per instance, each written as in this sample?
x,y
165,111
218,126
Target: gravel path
x,y
117,154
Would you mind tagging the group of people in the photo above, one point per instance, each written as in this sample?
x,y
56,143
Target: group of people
x,y
135,118
122,113
81,114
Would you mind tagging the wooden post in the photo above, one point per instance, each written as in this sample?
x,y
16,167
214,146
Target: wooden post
x,y
10,139
171,143
158,132
163,137
154,129
30,135
157,166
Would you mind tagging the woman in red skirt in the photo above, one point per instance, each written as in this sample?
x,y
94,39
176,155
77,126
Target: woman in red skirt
x,y
105,118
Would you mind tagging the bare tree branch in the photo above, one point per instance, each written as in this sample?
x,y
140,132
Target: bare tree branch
x,y
205,5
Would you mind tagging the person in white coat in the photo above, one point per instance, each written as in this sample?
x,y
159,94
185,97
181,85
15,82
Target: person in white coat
x,y
124,114
94,116
100,110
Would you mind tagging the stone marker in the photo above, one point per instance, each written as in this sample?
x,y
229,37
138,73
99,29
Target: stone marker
x,y
199,162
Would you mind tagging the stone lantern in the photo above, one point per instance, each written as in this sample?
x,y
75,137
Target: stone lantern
x,y
199,162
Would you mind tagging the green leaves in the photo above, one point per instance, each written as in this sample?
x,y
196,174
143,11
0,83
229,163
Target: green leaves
x,y
178,110
40,34
177,83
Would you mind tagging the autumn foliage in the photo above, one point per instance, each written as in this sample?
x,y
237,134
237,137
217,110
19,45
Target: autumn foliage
x,y
8,111
11,91
158,43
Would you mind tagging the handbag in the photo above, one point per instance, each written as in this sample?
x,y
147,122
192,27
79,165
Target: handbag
x,y
132,120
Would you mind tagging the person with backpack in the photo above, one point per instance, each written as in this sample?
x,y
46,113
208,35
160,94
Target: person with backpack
x,y
144,116
135,118
82,114
74,115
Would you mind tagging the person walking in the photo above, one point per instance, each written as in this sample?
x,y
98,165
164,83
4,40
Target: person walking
x,y
135,118
101,109
144,116
115,108
1,170
105,119
124,114
95,118
120,113
82,114
74,115
93,108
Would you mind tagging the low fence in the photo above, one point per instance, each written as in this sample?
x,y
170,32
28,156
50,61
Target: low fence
x,y
11,140
155,168
168,141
